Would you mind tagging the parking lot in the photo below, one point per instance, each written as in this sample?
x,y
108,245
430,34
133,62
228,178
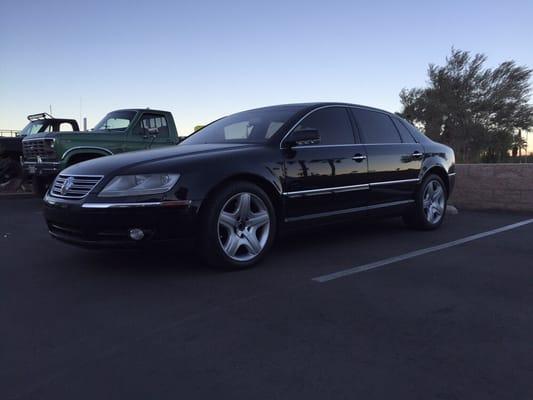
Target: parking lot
x,y
406,319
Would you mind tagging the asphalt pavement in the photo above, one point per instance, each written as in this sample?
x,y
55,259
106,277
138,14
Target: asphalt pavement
x,y
435,317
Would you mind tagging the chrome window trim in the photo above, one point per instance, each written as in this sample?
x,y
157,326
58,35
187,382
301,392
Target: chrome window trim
x,y
305,116
342,106
109,152
390,144
348,211
311,146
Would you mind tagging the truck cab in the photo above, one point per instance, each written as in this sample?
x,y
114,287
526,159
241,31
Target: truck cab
x,y
47,153
44,122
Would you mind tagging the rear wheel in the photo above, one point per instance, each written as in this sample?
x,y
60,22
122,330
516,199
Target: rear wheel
x,y
430,204
239,226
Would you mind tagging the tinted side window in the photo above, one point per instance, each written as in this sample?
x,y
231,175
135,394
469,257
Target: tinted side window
x,y
415,132
332,123
153,123
404,133
376,127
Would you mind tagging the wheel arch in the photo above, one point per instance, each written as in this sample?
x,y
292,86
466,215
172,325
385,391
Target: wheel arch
x,y
440,171
267,186
86,153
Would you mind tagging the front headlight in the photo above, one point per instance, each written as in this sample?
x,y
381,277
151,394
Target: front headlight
x,y
137,185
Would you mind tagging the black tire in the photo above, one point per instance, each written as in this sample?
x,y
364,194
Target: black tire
x,y
417,217
210,238
40,185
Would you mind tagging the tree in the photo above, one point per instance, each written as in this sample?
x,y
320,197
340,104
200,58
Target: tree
x,y
477,110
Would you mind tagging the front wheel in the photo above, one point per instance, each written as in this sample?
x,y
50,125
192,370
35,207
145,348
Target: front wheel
x,y
430,204
239,225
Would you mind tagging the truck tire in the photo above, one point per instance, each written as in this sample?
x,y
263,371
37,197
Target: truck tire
x,y
40,185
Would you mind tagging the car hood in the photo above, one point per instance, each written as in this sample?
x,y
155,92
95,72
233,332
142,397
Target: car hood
x,y
114,164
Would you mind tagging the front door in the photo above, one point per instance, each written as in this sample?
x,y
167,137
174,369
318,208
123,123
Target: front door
x,y
326,178
394,158
151,132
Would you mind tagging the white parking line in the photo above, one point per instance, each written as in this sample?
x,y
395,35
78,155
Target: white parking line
x,y
416,253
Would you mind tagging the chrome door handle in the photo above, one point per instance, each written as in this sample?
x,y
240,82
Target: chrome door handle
x,y
417,155
359,157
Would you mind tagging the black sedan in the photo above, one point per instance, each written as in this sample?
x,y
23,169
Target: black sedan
x,y
234,184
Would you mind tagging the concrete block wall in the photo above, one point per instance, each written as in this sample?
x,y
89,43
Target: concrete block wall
x,y
494,187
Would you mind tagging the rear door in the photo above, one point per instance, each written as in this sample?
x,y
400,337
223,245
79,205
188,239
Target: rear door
x,y
326,178
394,158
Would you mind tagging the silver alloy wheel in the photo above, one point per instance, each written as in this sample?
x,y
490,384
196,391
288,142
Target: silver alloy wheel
x,y
243,226
434,201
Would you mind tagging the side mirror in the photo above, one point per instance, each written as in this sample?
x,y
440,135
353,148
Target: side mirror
x,y
303,137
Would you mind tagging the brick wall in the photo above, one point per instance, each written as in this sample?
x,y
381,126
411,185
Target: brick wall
x,y
494,186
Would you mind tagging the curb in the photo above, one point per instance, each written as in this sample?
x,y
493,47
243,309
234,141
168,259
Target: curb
x,y
452,210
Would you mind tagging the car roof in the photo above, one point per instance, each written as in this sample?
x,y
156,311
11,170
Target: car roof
x,y
305,107
142,109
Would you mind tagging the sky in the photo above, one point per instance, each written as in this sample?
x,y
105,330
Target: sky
x,y
205,59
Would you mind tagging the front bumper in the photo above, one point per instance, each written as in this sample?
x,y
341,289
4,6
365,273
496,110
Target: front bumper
x,y
107,225
45,168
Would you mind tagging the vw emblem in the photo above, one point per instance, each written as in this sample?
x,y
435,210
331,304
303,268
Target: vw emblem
x,y
67,185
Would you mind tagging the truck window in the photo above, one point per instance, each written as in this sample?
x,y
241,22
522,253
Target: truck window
x,y
66,127
153,124
115,121
32,128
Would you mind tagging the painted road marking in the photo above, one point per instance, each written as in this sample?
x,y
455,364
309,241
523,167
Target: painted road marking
x,y
416,253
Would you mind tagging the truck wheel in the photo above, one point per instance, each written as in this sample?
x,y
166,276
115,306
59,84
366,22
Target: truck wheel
x,y
40,185
238,226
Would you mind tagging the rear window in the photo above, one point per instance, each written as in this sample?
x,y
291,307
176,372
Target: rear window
x,y
407,137
376,127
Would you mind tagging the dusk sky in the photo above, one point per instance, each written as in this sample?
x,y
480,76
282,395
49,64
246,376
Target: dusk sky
x,y
205,59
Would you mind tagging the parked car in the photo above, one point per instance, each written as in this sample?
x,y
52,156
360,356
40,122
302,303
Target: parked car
x,y
236,182
47,153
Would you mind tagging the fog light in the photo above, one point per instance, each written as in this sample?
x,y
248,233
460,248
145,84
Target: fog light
x,y
136,234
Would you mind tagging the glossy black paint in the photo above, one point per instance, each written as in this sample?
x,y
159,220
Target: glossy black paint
x,y
304,182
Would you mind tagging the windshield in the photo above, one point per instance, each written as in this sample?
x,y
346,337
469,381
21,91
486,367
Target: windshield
x,y
115,121
31,128
255,126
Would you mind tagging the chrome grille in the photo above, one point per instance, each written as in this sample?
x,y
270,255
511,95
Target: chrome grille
x,y
38,147
74,186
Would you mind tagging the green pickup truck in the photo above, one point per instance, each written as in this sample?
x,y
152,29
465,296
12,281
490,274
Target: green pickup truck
x,y
46,154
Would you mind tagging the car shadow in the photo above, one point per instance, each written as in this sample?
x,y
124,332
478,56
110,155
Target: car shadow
x,y
184,262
